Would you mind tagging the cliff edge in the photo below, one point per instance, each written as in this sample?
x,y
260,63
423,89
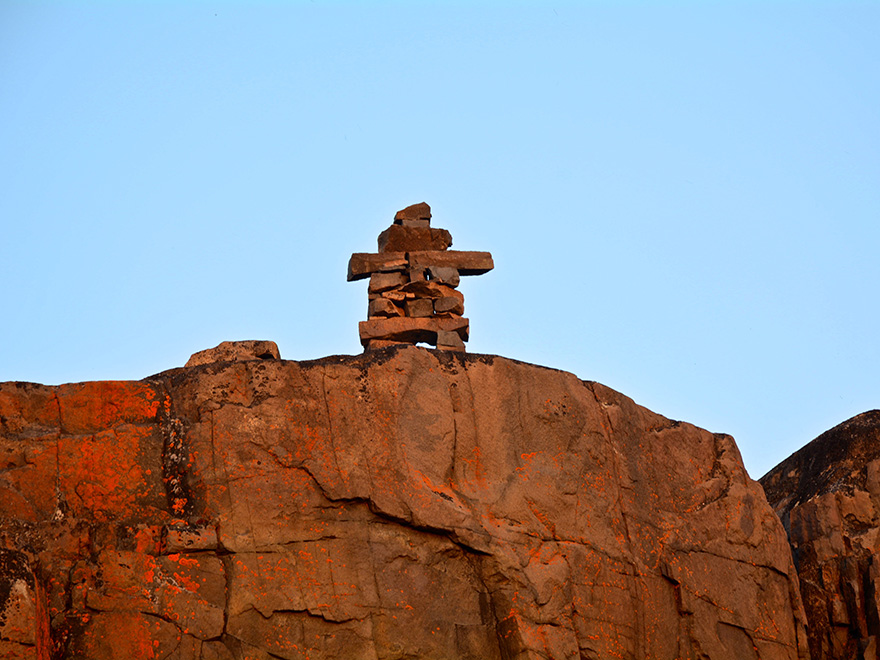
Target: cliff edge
x,y
828,497
404,503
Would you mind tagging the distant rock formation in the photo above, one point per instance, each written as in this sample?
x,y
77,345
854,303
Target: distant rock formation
x,y
828,497
403,503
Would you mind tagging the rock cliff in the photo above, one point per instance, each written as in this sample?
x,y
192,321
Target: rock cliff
x,y
400,504
828,497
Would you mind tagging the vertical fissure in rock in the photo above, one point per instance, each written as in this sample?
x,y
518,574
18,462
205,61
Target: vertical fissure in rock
x,y
175,461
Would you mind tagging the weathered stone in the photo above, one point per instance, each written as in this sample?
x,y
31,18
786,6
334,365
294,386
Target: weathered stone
x,y
397,295
449,305
404,503
419,307
467,263
236,351
404,239
828,496
417,274
383,307
449,341
417,215
363,264
427,289
411,330
383,281
444,275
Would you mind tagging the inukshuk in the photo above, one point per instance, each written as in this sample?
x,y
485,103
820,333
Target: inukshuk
x,y
413,284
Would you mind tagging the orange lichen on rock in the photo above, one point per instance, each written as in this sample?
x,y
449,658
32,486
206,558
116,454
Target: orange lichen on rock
x,y
400,503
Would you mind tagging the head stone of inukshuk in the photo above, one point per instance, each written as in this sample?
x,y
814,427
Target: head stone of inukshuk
x,y
413,288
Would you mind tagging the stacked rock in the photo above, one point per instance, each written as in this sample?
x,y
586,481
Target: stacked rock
x,y
413,284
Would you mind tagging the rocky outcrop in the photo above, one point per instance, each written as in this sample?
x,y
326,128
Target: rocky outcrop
x,y
236,351
828,497
404,503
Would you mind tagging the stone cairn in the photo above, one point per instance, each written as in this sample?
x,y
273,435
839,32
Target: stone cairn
x,y
413,284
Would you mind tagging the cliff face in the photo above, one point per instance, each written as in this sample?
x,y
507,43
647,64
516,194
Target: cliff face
x,y
404,503
828,497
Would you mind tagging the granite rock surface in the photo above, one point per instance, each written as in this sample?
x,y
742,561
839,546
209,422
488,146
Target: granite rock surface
x,y
405,503
828,497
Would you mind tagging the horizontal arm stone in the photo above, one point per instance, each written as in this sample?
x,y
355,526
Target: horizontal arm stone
x,y
467,263
364,264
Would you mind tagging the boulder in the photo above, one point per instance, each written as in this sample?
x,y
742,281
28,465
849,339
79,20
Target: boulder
x,y
827,495
236,351
403,503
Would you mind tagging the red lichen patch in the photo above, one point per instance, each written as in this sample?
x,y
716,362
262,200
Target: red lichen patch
x,y
28,485
148,539
192,593
27,409
11,500
112,475
94,407
125,636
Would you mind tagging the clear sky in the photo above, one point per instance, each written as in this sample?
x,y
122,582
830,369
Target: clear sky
x,y
682,199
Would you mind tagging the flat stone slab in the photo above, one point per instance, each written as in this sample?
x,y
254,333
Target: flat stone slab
x,y
467,263
431,289
419,307
449,341
449,305
383,307
383,281
363,264
411,330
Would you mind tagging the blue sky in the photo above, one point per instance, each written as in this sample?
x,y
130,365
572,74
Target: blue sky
x,y
682,199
